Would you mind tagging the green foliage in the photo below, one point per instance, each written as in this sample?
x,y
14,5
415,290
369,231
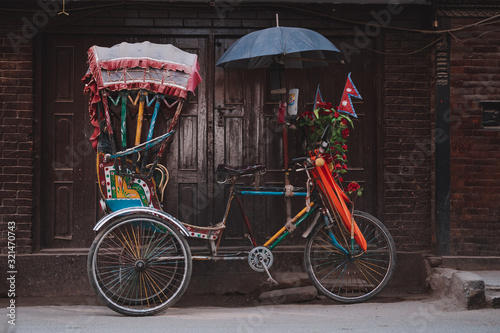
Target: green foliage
x,y
336,124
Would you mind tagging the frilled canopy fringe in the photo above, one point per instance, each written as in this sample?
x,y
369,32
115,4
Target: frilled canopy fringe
x,y
158,68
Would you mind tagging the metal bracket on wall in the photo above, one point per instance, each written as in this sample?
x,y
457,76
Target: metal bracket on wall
x,y
222,111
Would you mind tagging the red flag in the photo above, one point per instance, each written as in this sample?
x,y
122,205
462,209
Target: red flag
x,y
346,103
318,98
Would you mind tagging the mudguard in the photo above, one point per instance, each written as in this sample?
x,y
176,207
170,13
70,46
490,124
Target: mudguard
x,y
144,210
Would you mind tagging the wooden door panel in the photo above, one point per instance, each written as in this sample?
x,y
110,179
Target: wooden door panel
x,y
67,196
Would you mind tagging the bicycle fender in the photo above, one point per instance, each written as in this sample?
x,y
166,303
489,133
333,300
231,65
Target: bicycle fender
x,y
146,210
330,188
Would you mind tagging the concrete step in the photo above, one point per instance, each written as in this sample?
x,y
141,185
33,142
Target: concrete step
x,y
473,281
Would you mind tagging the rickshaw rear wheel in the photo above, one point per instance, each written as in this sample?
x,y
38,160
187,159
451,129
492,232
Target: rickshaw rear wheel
x,y
139,265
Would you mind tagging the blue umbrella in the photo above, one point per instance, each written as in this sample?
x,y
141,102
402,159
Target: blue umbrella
x,y
290,47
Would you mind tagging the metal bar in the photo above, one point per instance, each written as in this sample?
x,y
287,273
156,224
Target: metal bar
x,y
226,214
239,188
216,258
143,146
247,223
296,224
333,240
164,143
124,95
140,118
153,118
151,129
298,194
284,229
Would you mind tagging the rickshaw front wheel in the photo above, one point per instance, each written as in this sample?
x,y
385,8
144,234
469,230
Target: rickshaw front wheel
x,y
139,265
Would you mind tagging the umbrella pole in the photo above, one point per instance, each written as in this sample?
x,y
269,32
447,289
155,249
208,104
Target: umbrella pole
x,y
288,202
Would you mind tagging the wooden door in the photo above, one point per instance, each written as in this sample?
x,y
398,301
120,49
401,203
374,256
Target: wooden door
x,y
69,193
239,136
187,157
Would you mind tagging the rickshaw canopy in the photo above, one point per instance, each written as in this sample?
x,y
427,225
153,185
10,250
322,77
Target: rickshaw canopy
x,y
161,68
157,68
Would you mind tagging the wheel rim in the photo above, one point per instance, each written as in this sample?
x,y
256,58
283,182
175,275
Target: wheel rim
x,y
140,265
358,276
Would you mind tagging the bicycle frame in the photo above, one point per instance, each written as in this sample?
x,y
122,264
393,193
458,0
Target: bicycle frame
x,y
335,199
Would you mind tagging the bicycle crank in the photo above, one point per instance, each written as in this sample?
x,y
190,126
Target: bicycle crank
x,y
261,259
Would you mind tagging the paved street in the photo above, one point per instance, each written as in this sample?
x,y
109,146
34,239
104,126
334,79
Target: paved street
x,y
420,314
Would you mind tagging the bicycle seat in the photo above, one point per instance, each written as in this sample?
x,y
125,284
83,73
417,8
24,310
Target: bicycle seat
x,y
241,170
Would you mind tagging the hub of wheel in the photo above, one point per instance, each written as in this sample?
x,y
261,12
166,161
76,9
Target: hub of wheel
x,y
140,265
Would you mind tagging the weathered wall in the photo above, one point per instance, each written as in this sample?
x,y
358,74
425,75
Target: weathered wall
x,y
16,132
475,152
408,68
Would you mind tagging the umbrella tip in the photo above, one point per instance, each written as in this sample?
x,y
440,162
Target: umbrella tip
x,y
277,20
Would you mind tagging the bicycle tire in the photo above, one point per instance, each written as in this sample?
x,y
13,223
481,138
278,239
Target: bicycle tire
x,y
139,265
346,278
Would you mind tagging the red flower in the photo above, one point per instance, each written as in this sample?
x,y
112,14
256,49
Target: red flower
x,y
338,166
336,114
344,122
345,133
353,186
321,105
340,179
328,105
344,147
344,167
344,157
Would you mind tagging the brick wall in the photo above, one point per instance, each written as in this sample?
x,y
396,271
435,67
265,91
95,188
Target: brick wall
x,y
16,130
475,152
407,147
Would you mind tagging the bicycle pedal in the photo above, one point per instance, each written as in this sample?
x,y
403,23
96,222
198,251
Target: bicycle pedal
x,y
272,281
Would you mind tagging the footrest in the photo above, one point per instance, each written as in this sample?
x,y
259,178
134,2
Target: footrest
x,y
209,232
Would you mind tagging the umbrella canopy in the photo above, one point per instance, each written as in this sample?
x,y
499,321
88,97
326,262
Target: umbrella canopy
x,y
290,47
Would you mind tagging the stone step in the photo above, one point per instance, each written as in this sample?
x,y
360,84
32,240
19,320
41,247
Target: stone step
x,y
466,287
493,299
289,295
471,263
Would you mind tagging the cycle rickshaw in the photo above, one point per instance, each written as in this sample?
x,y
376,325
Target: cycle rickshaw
x,y
140,262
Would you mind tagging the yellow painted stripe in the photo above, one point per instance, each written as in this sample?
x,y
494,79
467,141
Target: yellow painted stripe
x,y
302,212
